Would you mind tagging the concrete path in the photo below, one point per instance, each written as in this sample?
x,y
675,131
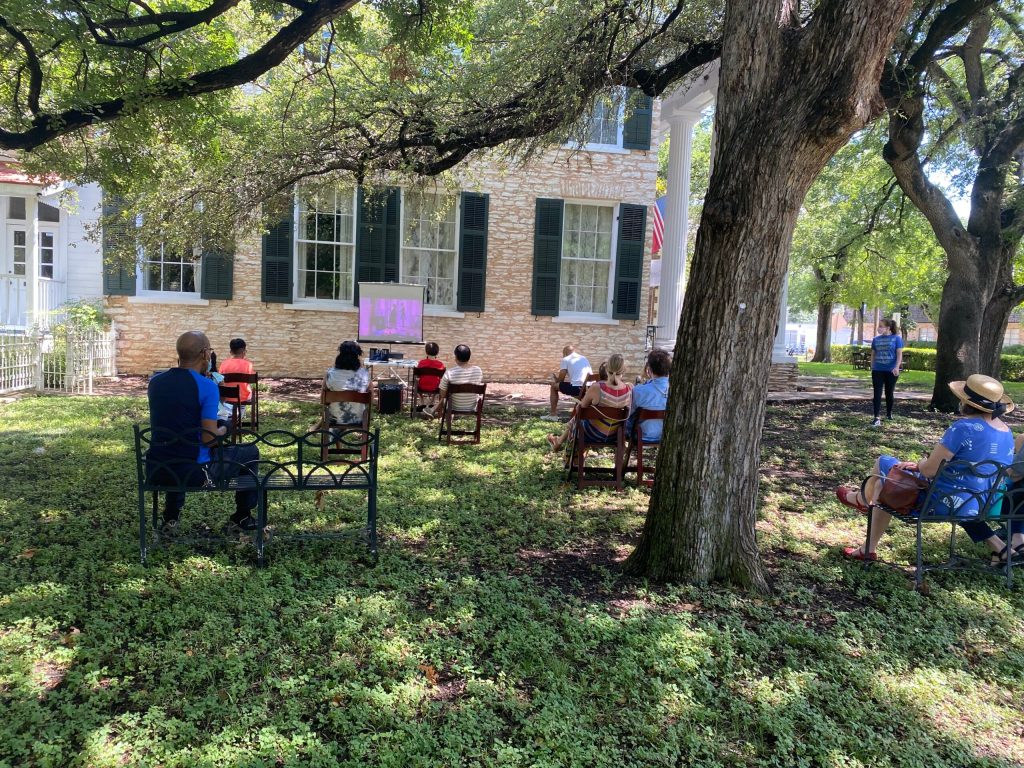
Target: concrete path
x,y
809,389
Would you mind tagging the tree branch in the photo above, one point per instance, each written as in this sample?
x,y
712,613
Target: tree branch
x,y
35,71
48,127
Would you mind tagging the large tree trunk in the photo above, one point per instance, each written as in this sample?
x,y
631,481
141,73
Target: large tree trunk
x,y
806,89
997,313
823,338
972,314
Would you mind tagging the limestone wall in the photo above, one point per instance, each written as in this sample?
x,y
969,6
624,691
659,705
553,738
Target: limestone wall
x,y
507,341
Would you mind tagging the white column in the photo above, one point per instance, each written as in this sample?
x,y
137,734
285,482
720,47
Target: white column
x,y
33,259
779,353
677,212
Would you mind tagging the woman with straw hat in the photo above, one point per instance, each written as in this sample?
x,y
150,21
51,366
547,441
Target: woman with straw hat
x,y
980,436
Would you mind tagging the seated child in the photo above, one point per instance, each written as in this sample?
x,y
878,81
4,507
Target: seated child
x,y
429,384
239,363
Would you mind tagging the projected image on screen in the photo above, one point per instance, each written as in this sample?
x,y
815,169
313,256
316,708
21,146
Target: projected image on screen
x,y
391,312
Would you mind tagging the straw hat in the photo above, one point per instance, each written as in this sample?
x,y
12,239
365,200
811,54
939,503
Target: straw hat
x,y
981,392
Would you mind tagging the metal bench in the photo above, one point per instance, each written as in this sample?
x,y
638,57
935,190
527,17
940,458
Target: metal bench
x,y
1003,504
305,471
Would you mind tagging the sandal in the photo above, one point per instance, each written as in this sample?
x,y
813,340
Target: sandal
x,y
553,442
857,553
849,497
998,559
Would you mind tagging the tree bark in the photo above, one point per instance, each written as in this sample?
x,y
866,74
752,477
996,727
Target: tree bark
x,y
823,337
806,88
997,313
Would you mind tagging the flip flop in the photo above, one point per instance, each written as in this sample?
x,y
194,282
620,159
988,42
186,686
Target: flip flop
x,y
848,497
856,553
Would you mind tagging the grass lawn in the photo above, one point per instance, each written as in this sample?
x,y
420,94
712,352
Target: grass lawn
x,y
495,629
918,380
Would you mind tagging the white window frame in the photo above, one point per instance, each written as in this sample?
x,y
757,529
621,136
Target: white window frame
x,y
8,262
589,316
614,149
455,254
140,280
311,302
50,228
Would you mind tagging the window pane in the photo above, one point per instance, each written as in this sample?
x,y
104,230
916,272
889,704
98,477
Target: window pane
x,y
46,239
152,280
430,244
586,255
16,208
48,213
20,238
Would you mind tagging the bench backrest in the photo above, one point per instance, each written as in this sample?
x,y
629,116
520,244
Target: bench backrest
x,y
297,467
951,492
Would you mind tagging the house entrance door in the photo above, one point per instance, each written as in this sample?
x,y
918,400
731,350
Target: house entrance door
x,y
13,276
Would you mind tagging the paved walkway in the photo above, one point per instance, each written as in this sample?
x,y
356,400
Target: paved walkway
x,y
809,389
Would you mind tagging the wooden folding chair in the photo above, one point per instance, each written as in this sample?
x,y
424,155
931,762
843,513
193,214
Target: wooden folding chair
x,y
252,421
416,390
332,444
446,430
230,396
637,446
581,446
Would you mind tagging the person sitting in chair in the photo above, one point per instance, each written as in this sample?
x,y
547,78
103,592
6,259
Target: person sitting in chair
x,y
183,405
614,393
570,379
652,395
347,375
980,436
429,384
461,373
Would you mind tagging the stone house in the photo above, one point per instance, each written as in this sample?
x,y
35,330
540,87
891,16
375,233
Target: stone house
x,y
516,263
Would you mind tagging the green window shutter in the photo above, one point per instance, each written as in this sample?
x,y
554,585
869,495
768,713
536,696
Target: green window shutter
x,y
118,279
377,238
218,269
629,261
278,263
636,131
547,256
472,252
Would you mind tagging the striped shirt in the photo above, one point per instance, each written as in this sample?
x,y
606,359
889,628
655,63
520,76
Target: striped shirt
x,y
469,374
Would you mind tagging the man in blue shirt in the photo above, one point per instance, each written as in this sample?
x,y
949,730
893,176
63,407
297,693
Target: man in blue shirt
x,y
652,395
183,406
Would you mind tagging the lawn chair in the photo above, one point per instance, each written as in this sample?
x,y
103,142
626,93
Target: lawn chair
x,y
230,395
416,390
253,403
637,446
580,447
333,446
446,430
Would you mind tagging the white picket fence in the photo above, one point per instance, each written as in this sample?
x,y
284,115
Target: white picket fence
x,y
65,362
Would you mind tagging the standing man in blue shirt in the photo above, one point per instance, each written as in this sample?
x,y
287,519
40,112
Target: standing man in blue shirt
x,y
652,395
886,359
183,405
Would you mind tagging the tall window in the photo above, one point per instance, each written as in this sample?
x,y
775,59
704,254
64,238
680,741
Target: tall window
x,y
165,270
586,258
326,245
429,245
19,251
46,254
605,122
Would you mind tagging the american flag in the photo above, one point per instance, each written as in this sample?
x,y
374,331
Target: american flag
x,y
659,224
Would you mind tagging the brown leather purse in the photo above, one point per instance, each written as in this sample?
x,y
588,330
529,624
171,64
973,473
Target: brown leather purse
x,y
902,491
